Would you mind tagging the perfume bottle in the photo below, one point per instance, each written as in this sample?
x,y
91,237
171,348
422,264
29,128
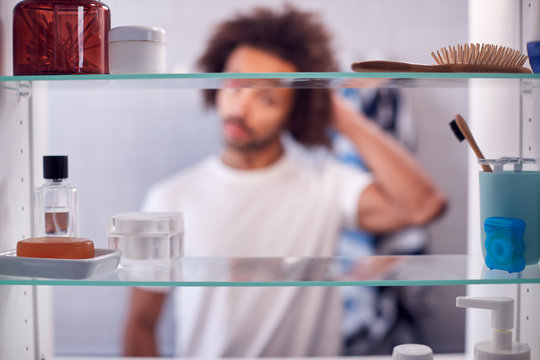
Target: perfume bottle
x,y
60,37
56,201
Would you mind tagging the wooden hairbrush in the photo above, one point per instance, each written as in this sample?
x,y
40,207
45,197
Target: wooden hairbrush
x,y
481,58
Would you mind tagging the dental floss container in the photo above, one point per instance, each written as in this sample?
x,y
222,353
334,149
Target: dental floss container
x,y
501,346
137,50
412,352
504,243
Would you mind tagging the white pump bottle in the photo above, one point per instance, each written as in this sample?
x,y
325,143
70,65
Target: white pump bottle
x,y
501,347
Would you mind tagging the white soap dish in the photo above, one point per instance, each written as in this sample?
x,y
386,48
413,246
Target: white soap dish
x,y
103,262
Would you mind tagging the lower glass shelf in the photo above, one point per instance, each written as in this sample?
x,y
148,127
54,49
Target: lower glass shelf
x,y
300,271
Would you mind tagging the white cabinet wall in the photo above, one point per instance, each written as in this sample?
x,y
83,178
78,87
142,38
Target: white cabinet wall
x,y
505,123
16,327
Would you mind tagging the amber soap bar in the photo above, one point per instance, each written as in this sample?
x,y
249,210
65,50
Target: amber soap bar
x,y
56,248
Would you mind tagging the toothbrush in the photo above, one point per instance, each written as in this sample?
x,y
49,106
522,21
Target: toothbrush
x,y
461,130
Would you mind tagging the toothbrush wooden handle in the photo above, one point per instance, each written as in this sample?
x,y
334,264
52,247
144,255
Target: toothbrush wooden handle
x,y
470,139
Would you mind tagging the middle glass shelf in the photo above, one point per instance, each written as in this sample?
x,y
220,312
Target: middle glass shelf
x,y
272,80
300,271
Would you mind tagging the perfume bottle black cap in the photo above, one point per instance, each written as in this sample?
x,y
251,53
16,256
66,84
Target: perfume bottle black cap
x,y
55,167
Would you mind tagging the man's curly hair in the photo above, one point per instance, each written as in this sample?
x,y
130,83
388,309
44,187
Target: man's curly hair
x,y
294,36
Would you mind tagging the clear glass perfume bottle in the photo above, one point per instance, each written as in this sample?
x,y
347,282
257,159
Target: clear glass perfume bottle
x,y
56,201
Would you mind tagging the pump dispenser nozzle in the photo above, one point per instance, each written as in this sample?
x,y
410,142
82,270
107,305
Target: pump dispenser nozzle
x,y
502,321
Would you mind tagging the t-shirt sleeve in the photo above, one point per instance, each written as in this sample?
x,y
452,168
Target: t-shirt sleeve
x,y
350,184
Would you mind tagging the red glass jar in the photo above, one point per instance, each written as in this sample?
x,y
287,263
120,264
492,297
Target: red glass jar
x,y
60,37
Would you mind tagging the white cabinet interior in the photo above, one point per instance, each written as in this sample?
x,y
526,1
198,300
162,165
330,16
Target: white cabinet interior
x,y
63,119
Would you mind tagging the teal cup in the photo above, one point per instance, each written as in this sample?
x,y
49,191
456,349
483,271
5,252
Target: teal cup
x,y
513,195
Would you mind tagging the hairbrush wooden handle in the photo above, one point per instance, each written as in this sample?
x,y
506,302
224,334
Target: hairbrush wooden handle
x,y
464,128
397,66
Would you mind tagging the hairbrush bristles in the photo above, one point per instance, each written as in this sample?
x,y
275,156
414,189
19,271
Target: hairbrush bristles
x,y
480,54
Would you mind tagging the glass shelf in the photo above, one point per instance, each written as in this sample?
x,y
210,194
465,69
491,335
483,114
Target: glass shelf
x,y
298,271
289,80
8,86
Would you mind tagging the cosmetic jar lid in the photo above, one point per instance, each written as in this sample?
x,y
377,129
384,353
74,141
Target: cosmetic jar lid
x,y
137,33
127,223
412,352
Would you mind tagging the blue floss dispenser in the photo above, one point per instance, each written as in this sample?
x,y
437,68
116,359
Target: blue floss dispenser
x,y
504,244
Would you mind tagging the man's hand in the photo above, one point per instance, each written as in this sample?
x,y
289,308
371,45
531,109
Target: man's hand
x,y
139,333
402,193
344,114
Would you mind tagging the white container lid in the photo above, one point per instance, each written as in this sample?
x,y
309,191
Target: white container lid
x,y
138,223
137,33
412,352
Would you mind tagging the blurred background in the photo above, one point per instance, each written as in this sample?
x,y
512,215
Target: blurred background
x,y
151,133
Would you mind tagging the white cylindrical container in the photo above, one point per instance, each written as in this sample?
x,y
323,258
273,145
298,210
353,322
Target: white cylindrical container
x,y
137,50
412,352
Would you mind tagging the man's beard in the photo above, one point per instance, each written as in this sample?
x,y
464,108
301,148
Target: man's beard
x,y
253,144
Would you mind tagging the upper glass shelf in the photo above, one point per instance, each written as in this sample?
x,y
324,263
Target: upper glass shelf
x,y
289,80
298,271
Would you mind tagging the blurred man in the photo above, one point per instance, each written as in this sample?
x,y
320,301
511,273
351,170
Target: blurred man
x,y
272,192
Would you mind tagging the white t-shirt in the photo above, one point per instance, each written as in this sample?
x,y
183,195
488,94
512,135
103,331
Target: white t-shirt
x,y
295,207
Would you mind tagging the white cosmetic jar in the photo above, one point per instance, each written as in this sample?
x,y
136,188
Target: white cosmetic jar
x,y
137,50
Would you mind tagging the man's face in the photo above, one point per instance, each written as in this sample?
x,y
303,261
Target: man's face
x,y
254,118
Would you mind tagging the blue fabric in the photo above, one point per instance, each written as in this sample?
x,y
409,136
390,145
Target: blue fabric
x,y
362,305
